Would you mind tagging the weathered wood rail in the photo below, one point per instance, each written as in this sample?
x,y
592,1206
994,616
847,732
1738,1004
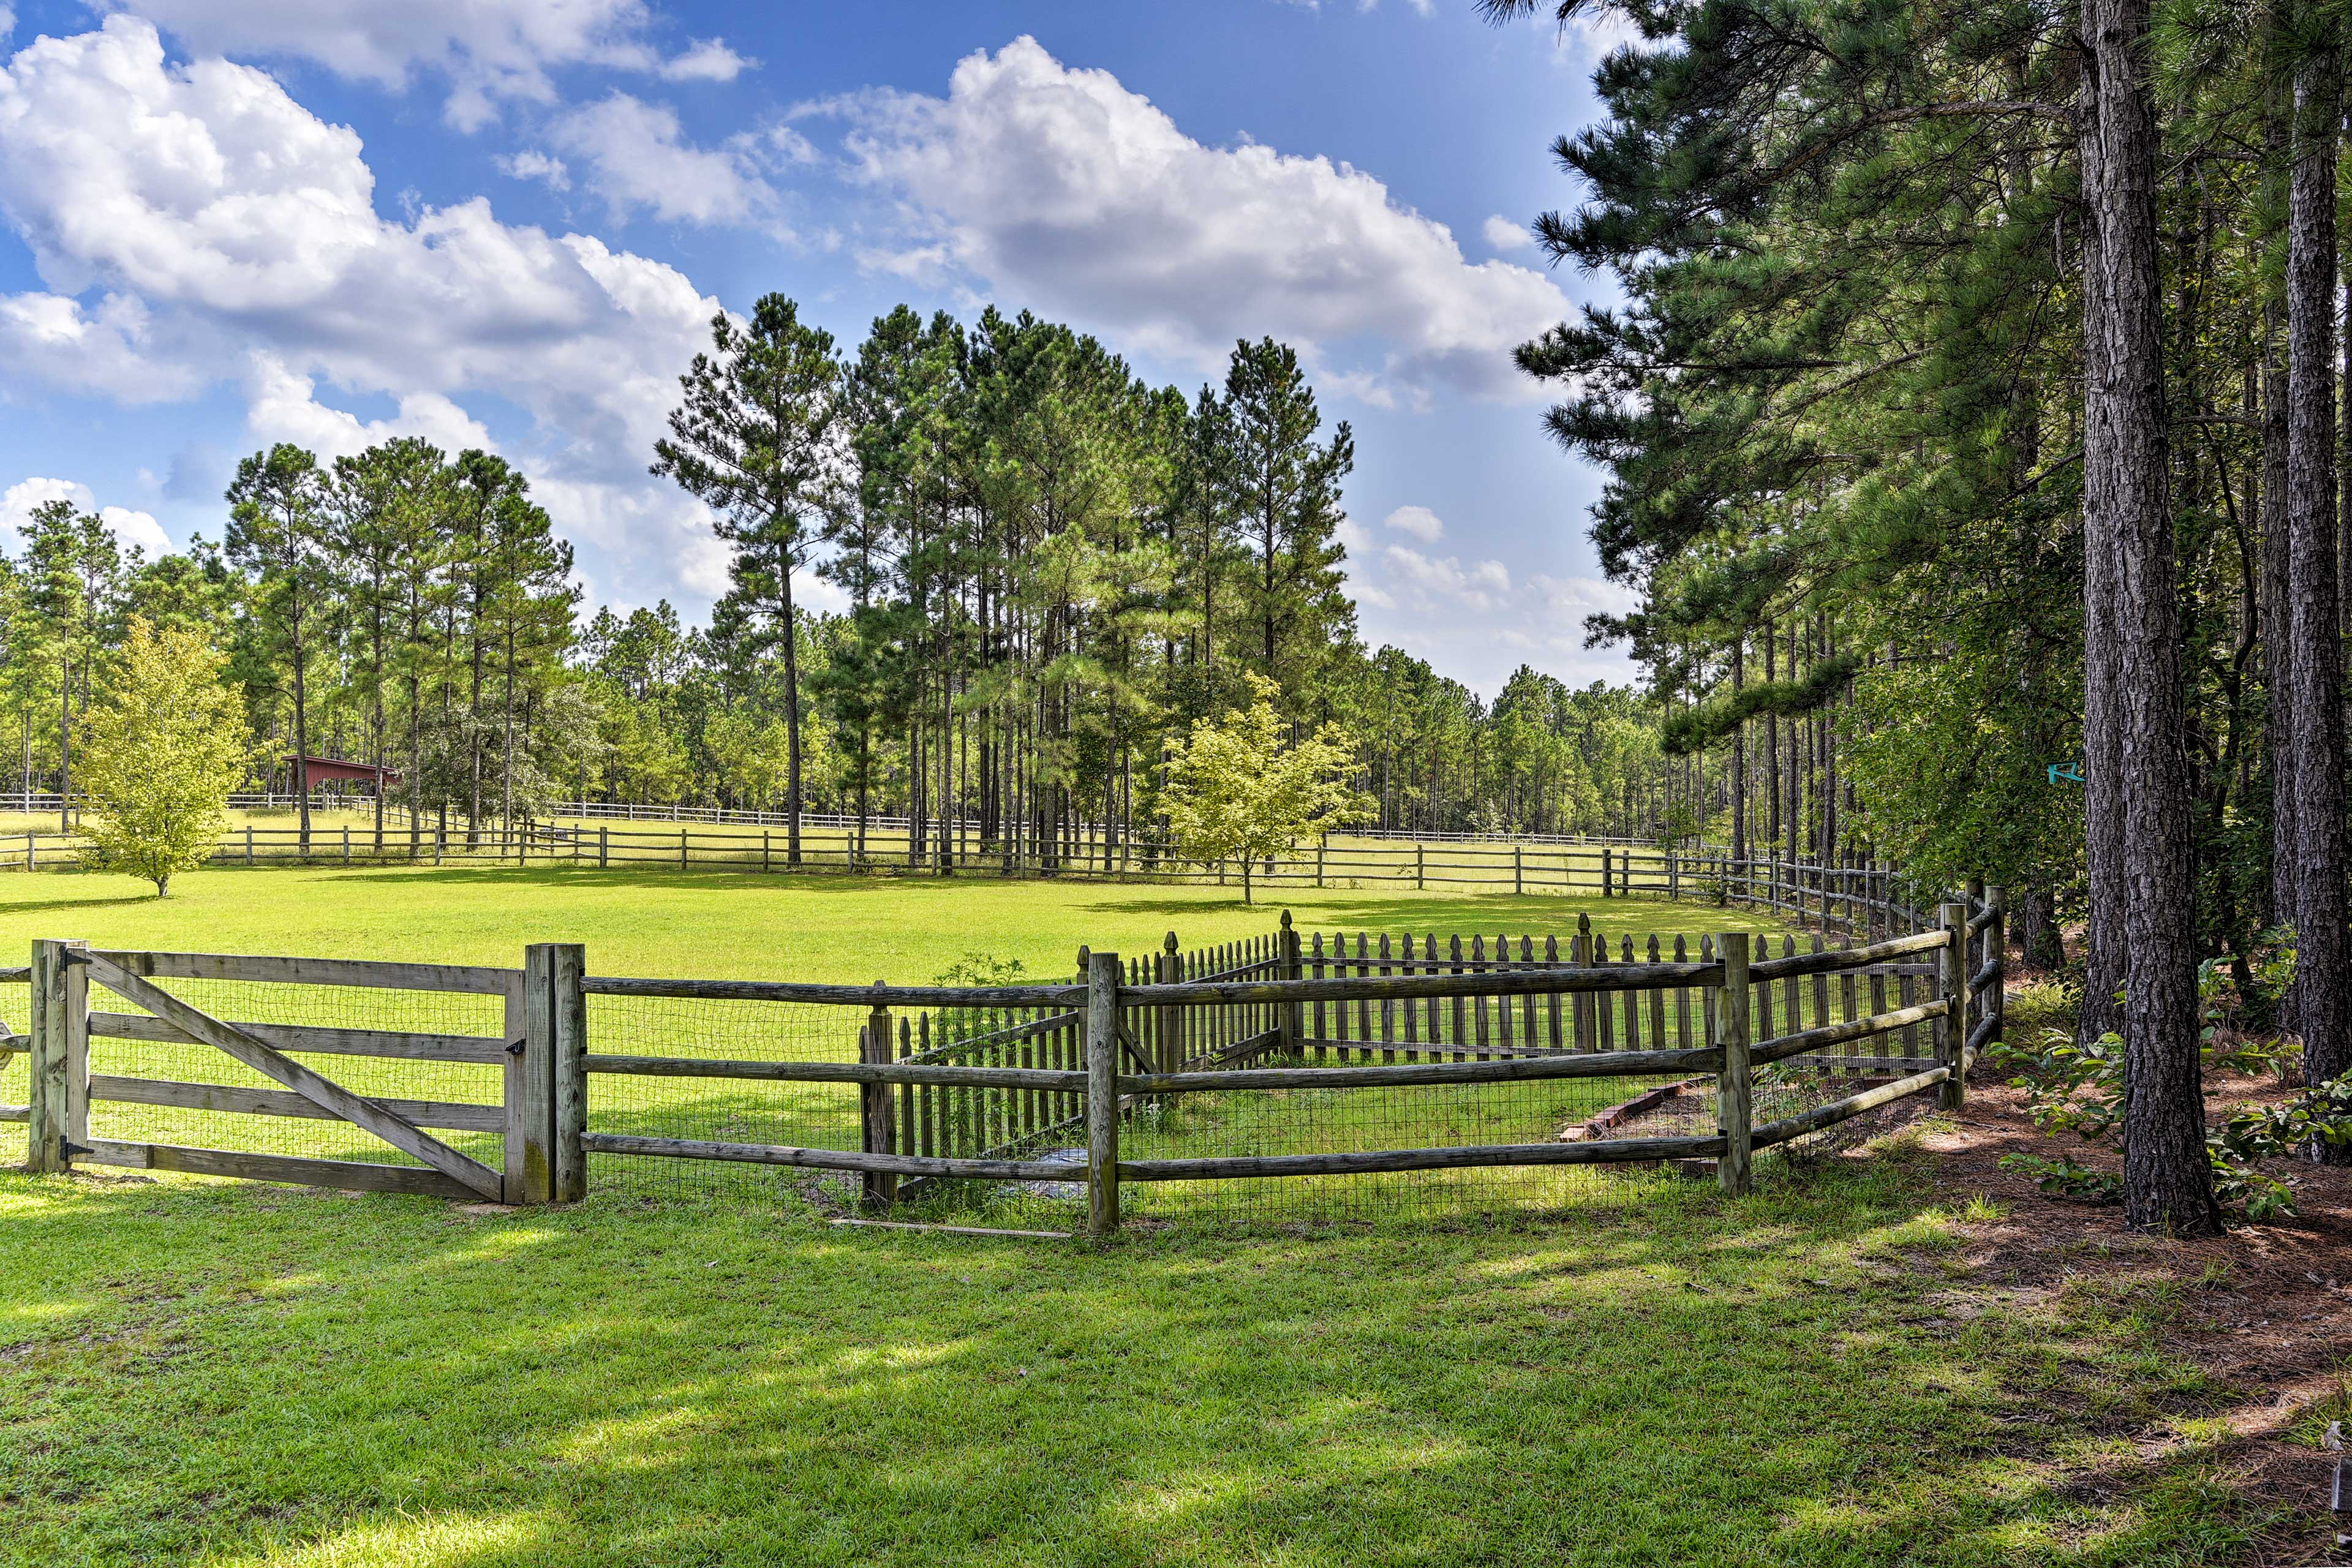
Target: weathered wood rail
x,y
1857,896
987,1083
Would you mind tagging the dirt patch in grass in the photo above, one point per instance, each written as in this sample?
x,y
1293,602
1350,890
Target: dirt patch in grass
x,y
2264,1312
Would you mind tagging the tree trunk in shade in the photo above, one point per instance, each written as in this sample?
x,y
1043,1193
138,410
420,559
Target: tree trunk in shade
x,y
2167,1184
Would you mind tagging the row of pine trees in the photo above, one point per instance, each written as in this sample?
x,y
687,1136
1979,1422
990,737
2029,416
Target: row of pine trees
x,y
1971,420
1051,570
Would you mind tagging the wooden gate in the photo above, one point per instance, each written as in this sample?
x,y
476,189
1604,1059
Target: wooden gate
x,y
63,1087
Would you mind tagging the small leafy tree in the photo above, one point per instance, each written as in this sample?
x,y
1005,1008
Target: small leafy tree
x,y
163,747
1236,792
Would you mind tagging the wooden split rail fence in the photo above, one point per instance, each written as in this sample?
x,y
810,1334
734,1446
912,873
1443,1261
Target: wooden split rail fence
x,y
1854,897
983,1083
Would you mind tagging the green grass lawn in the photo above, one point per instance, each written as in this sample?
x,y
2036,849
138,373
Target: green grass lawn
x,y
224,1374
837,929
1630,1371
730,925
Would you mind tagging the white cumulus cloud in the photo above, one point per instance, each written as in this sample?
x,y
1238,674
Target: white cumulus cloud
x,y
488,50
1064,190
638,159
201,224
281,406
108,348
707,60
1502,234
530,164
1440,584
131,528
1418,521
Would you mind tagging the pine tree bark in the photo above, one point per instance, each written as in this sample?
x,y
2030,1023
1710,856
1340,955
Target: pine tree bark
x,y
2101,1012
2278,644
1738,752
791,638
2322,1010
2167,1184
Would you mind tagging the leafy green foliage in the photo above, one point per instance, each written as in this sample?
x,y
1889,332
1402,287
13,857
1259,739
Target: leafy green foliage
x,y
166,744
2065,1178
1236,791
2079,1089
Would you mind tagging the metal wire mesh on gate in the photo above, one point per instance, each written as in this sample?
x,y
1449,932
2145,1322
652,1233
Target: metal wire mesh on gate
x,y
478,1084
926,1118
15,1066
725,1109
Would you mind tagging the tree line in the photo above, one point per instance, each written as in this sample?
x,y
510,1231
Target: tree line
x,y
1047,570
1971,424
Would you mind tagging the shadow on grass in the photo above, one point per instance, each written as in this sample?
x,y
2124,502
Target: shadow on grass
x,y
126,901
256,1375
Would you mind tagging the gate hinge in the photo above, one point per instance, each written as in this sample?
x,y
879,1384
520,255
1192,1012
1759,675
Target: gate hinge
x,y
515,1047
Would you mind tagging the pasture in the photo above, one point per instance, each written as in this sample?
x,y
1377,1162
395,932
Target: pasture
x,y
850,929
1819,1373
813,926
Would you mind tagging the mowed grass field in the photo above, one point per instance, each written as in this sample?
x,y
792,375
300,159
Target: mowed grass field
x,y
733,925
223,1373
652,843
819,927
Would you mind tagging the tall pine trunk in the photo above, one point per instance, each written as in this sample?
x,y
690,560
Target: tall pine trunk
x,y
1738,752
301,730
2167,1182
2277,612
2322,1013
792,709
2103,935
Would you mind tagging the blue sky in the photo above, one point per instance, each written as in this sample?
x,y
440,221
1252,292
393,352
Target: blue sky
x,y
507,222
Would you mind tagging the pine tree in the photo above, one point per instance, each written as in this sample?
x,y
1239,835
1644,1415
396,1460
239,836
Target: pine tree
x,y
755,439
278,533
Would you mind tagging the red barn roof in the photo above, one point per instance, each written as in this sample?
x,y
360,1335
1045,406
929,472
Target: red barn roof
x,y
328,770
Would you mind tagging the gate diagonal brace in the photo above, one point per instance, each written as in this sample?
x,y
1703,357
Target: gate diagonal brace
x,y
390,1126
1134,1052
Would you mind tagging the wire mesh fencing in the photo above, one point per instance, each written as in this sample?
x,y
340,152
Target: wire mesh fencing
x,y
15,1062
1295,1077
139,1068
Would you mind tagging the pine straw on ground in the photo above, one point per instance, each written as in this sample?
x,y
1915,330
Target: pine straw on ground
x,y
2265,1311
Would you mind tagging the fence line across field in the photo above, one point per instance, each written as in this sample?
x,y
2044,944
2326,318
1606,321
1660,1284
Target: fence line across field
x,y
1084,1087
1845,897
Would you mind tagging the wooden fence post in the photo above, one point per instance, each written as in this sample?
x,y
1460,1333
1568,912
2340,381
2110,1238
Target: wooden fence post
x,y
1726,1019
1604,870
1952,1028
1102,1093
1582,1004
542,1116
1170,1025
603,844
1289,1020
58,1114
1996,953
881,1126
567,1071
1419,868
1518,872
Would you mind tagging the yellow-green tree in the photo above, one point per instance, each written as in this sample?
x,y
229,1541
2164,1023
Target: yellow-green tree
x,y
163,747
1236,791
